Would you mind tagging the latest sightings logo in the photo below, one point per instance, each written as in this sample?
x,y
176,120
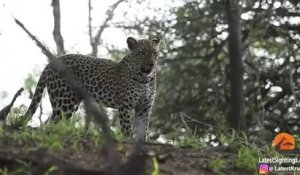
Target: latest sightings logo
x,y
263,168
285,143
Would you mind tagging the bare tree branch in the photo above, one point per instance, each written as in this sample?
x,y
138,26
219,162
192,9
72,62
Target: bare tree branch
x,y
110,14
56,31
6,109
41,113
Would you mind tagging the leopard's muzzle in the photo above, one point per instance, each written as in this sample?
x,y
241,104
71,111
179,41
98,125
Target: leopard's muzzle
x,y
147,68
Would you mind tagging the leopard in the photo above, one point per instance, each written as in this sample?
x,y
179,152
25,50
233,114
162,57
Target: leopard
x,y
128,85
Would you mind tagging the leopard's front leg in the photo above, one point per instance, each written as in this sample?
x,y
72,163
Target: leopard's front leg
x,y
125,121
141,122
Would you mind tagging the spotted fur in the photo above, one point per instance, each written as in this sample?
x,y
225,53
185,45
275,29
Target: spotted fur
x,y
128,85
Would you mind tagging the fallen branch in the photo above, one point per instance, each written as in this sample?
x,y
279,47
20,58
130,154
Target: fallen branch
x,y
6,109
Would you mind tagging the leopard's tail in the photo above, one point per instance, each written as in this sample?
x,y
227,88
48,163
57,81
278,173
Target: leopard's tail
x,y
36,99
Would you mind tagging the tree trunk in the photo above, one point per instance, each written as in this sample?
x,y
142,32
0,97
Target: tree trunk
x,y
236,116
56,31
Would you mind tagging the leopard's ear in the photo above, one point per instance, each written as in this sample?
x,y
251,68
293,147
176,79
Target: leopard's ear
x,y
132,43
156,40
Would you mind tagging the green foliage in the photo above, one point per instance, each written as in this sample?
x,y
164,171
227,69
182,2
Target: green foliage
x,y
30,81
217,165
248,155
193,142
155,167
51,170
248,158
118,135
52,136
21,170
234,151
4,171
233,140
66,134
228,139
246,152
15,117
25,166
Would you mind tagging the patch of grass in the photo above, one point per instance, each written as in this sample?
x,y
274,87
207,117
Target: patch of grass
x,y
118,135
16,117
232,140
247,158
26,166
193,142
20,170
218,165
53,136
66,135
3,171
247,153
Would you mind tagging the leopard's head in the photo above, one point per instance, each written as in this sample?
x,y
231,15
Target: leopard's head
x,y
143,56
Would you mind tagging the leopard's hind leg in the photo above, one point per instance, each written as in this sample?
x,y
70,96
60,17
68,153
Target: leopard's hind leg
x,y
63,100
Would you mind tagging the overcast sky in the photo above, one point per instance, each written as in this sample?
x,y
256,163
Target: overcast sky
x,y
19,54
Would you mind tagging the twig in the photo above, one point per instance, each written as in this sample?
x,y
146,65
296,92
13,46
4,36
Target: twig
x,y
182,118
194,120
228,135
